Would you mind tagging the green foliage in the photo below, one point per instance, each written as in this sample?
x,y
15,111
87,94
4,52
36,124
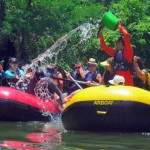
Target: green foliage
x,y
29,27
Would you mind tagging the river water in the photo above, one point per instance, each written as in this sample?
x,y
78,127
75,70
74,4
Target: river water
x,y
52,135
47,136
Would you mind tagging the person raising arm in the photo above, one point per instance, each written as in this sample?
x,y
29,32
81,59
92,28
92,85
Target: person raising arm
x,y
123,55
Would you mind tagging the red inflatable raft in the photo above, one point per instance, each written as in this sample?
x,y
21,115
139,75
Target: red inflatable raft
x,y
16,105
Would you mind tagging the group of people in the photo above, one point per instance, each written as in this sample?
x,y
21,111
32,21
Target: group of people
x,y
122,68
13,74
130,67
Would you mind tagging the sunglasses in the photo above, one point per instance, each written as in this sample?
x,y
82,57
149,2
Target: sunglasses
x,y
78,67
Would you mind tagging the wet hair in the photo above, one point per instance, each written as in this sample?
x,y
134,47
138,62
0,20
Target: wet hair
x,y
39,73
121,39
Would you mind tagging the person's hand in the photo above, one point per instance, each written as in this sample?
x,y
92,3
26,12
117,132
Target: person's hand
x,y
136,65
100,25
98,78
100,28
135,60
68,75
17,77
119,22
81,71
28,75
88,83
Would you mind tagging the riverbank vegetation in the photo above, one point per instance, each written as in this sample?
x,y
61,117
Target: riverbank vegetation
x,y
29,27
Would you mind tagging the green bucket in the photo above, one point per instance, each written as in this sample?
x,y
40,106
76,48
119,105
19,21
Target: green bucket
x,y
110,21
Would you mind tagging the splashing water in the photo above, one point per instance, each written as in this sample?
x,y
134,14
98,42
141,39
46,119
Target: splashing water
x,y
50,55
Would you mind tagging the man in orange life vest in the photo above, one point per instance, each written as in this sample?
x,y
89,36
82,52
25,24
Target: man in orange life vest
x,y
123,55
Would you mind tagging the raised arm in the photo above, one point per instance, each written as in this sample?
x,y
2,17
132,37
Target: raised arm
x,y
106,48
128,52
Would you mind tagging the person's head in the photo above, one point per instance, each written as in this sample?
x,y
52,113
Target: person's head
x,y
13,63
120,43
108,63
78,65
29,70
39,74
53,68
92,65
117,80
49,69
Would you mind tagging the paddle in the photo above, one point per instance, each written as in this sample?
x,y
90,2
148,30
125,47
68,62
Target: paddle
x,y
81,82
73,79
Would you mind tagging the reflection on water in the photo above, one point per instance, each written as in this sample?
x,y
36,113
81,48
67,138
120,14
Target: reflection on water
x,y
31,135
47,136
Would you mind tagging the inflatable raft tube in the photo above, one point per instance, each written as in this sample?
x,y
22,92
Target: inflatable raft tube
x,y
16,105
108,109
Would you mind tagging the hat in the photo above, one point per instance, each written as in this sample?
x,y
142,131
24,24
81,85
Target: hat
x,y
91,62
13,60
116,80
108,62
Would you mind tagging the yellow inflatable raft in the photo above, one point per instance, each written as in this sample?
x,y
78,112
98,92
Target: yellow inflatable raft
x,y
108,109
